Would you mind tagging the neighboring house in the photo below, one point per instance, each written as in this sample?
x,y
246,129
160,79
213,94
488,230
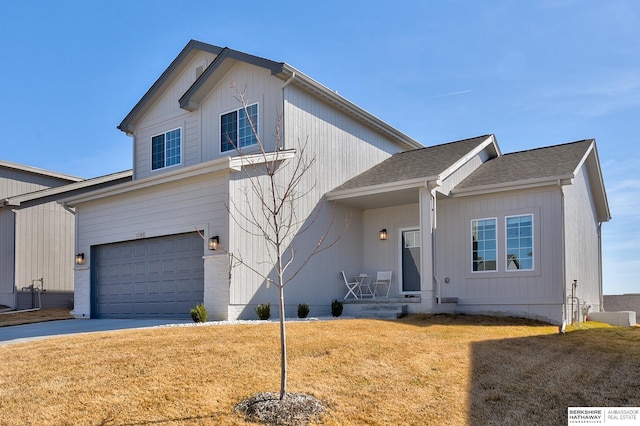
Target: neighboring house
x,y
513,231
622,302
37,235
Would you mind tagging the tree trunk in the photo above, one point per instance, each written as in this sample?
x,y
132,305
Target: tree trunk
x,y
283,346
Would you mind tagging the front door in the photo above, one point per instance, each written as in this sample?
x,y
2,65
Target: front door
x,y
410,258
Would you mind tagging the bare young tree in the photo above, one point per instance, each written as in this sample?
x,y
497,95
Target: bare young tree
x,y
276,181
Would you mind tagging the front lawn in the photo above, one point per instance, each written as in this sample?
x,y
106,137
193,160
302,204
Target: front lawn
x,y
418,370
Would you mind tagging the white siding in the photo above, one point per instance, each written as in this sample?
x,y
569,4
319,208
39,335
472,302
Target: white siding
x,y
582,242
182,206
7,227
341,148
165,115
44,247
501,291
35,242
385,255
260,87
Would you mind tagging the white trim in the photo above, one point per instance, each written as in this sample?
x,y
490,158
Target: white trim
x,y
401,248
513,186
382,188
257,125
495,218
38,171
151,169
58,190
533,244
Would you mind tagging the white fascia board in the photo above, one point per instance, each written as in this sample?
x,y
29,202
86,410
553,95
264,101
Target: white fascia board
x,y
38,171
221,164
18,199
334,98
461,162
236,163
512,186
380,189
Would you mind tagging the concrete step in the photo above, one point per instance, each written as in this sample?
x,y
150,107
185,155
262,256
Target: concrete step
x,y
385,311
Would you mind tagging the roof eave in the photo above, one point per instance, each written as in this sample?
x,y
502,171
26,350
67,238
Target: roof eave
x,y
125,125
189,100
16,201
217,165
513,185
490,141
382,188
38,171
335,99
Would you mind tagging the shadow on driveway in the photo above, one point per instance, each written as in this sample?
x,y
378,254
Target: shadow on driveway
x,y
42,330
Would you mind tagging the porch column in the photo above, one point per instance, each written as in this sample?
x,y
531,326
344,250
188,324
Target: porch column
x,y
427,291
216,286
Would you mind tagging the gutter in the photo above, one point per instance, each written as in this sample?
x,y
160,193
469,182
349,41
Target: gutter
x,y
342,103
512,186
563,257
432,185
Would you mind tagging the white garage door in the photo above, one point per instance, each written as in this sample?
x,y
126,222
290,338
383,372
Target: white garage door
x,y
151,278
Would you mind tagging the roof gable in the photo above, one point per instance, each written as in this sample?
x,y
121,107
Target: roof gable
x,y
154,91
225,59
541,166
223,62
558,161
422,164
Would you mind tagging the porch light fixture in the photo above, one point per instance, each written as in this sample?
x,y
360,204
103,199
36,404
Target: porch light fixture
x,y
383,234
213,243
79,258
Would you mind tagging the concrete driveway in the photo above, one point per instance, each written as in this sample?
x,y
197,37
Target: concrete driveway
x,y
42,330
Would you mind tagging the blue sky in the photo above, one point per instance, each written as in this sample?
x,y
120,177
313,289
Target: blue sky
x,y
534,73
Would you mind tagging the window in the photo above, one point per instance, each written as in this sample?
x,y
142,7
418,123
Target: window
x,y
483,234
519,235
235,128
165,149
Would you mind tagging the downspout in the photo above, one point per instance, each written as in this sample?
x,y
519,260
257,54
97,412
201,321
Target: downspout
x,y
431,186
600,266
563,258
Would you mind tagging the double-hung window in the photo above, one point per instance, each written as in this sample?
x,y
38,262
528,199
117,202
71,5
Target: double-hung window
x,y
484,247
166,149
519,235
236,130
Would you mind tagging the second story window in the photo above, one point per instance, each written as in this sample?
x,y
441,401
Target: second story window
x,y
235,128
165,149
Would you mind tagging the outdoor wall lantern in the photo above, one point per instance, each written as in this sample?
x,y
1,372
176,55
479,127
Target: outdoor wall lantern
x,y
383,234
79,258
213,243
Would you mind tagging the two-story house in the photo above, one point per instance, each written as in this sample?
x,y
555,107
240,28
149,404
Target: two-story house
x,y
503,245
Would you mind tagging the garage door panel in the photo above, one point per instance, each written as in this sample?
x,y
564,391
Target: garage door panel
x,y
165,280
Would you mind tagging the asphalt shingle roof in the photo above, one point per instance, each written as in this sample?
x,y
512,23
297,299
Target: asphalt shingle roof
x,y
417,163
557,160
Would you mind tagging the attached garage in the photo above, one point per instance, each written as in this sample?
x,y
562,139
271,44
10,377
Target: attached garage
x,y
159,277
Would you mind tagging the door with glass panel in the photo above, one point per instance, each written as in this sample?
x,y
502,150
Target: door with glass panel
x,y
410,260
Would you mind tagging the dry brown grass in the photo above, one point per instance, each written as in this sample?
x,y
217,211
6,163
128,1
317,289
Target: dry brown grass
x,y
18,318
418,370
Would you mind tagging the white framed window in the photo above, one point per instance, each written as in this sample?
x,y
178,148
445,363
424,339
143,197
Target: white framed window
x,y
519,254
166,149
236,130
484,247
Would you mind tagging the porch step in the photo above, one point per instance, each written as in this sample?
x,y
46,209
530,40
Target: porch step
x,y
383,310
